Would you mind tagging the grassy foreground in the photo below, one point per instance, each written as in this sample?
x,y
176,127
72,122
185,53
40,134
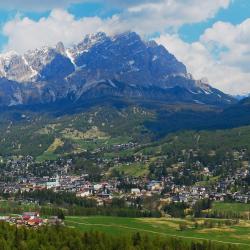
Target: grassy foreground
x,y
164,227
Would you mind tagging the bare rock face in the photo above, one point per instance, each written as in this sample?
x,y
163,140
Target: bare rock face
x,y
121,66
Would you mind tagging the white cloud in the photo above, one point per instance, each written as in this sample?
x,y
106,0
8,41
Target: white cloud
x,y
25,34
140,5
234,41
222,55
143,16
159,16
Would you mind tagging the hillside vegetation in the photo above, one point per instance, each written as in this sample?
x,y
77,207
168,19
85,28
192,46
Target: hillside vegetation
x,y
46,133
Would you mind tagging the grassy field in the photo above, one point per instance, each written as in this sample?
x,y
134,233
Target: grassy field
x,y
46,156
90,140
135,169
10,205
164,227
239,208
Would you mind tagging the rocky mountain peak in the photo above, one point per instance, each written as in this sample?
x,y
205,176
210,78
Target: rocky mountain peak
x,y
60,48
122,65
95,38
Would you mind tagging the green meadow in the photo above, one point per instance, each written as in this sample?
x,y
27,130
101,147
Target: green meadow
x,y
164,227
231,207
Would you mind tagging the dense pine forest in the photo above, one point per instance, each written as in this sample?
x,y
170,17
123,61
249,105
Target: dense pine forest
x,y
62,238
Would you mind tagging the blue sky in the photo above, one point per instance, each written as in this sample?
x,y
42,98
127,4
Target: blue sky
x,y
209,36
237,12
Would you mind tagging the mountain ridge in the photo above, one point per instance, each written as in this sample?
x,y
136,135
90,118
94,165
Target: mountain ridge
x,y
122,65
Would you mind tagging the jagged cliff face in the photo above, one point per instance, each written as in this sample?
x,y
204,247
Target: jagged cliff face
x,y
100,66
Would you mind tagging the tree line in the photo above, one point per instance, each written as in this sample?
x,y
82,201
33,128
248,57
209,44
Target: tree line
x,y
67,204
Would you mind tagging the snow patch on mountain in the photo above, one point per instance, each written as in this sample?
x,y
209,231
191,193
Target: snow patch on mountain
x,y
70,56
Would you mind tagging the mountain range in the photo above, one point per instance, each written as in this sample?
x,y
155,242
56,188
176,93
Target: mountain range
x,y
100,66
103,91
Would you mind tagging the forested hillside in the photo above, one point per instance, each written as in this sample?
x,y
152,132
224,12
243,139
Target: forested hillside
x,y
48,132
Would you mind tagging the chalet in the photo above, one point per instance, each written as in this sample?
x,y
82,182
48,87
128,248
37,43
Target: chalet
x,y
84,193
35,222
30,215
53,183
154,186
97,187
135,191
104,195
